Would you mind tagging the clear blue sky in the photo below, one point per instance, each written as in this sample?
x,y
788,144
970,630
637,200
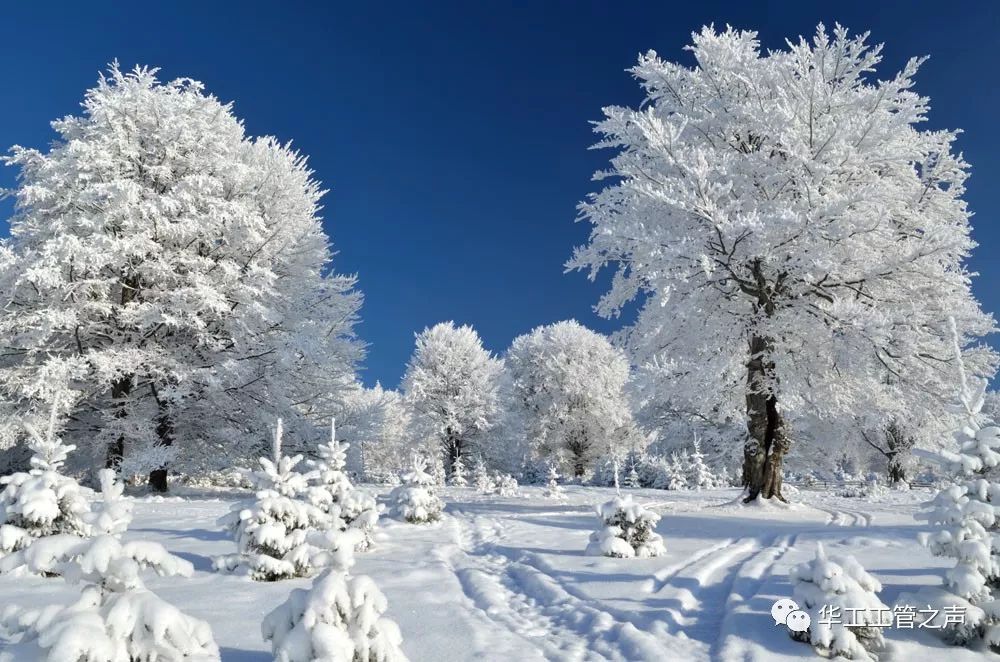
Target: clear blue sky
x,y
453,135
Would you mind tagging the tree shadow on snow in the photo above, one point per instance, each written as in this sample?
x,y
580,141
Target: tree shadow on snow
x,y
240,655
205,535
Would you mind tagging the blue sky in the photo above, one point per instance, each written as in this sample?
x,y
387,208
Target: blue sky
x,y
454,135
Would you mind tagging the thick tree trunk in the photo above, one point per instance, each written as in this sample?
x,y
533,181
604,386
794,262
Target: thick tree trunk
x,y
767,441
120,390
896,470
165,433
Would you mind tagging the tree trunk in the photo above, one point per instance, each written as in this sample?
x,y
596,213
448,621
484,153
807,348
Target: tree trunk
x,y
120,390
767,441
165,433
453,448
896,470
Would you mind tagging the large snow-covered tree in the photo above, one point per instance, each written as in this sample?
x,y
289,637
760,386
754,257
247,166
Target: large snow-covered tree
x,y
795,240
172,272
375,421
568,384
452,386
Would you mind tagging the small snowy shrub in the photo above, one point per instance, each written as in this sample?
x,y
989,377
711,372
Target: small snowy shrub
x,y
481,478
676,474
414,500
699,476
553,490
339,619
844,586
458,478
968,512
505,485
116,619
272,531
42,501
332,491
627,530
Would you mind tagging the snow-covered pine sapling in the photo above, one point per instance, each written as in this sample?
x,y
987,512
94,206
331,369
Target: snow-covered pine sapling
x,y
272,530
458,478
481,477
824,586
42,501
699,475
332,491
968,512
116,619
677,477
340,618
414,500
627,530
632,478
553,490
505,485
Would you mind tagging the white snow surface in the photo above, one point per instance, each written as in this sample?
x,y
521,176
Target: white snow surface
x,y
507,578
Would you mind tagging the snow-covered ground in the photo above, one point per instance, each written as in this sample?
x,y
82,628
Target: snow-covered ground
x,y
506,578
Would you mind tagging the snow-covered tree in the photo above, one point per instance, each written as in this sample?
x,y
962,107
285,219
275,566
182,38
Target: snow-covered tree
x,y
338,619
331,489
42,501
627,530
458,478
968,512
795,241
843,606
553,490
452,387
505,485
481,478
676,474
568,384
376,423
699,475
415,500
272,531
173,272
116,619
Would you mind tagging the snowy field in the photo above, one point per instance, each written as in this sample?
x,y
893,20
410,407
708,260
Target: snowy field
x,y
506,578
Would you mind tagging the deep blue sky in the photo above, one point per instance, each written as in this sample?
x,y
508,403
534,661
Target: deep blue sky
x,y
453,136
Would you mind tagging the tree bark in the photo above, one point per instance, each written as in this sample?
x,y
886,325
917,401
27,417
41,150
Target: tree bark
x,y
767,440
453,449
165,433
120,390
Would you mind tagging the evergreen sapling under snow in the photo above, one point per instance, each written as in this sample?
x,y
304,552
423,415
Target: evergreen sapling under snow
x,y
842,602
415,500
273,531
116,619
627,530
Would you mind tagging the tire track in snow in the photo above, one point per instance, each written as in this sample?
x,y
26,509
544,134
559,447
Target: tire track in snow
x,y
562,622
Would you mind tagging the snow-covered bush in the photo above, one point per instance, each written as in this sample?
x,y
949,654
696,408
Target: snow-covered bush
x,y
272,530
505,485
414,500
676,474
339,619
481,478
824,587
458,478
331,490
627,530
236,477
116,619
553,490
42,501
699,475
968,512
